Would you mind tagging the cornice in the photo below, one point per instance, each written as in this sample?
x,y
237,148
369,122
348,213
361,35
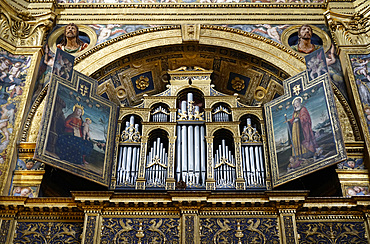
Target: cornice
x,y
191,5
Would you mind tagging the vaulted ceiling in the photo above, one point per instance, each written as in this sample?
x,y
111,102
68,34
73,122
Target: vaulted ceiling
x,y
233,72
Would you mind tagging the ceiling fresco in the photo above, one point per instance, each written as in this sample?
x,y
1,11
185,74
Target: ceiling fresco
x,y
145,72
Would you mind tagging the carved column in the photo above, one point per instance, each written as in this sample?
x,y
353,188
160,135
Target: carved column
x,y
288,228
115,158
207,114
190,226
210,181
240,181
173,112
170,181
265,156
351,35
367,225
91,231
7,227
140,182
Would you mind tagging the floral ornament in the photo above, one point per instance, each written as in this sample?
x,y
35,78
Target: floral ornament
x,y
142,83
237,84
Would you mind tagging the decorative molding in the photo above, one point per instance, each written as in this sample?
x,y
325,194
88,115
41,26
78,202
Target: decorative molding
x,y
21,28
348,29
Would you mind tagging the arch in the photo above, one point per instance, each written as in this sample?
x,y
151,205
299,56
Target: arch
x,y
131,112
250,43
255,113
221,127
169,130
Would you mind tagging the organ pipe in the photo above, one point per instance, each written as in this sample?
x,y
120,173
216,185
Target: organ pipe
x,y
129,154
221,114
252,159
190,145
224,165
156,166
160,115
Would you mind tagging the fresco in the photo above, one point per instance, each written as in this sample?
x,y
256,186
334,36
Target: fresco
x,y
110,31
361,71
356,190
13,73
352,164
28,164
25,191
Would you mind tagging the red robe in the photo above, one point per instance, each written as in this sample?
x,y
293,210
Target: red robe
x,y
308,141
71,123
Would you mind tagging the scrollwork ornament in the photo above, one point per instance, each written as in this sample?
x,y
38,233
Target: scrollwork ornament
x,y
21,28
44,232
143,230
349,29
239,230
331,232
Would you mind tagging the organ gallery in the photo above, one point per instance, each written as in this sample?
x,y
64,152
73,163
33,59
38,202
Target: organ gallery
x,y
184,121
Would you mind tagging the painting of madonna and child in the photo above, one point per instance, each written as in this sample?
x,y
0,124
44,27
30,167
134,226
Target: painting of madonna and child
x,y
78,127
303,129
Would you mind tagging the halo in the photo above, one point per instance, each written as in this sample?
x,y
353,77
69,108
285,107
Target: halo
x,y
326,41
80,107
300,98
52,41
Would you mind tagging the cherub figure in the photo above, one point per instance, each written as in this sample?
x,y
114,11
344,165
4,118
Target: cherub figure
x,y
4,67
316,66
272,32
86,129
15,71
7,115
360,67
17,191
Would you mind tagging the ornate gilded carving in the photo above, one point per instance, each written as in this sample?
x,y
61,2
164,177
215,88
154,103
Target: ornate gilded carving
x,y
239,230
331,232
22,28
189,229
190,32
289,229
140,230
142,83
4,230
90,229
48,232
349,29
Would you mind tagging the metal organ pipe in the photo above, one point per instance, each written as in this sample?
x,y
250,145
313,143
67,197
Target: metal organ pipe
x,y
224,165
129,153
252,159
190,145
221,114
156,166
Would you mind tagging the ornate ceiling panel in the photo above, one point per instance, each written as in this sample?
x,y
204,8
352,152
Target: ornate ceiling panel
x,y
145,72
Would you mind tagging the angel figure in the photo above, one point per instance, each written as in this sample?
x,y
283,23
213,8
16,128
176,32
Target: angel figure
x,y
272,32
106,31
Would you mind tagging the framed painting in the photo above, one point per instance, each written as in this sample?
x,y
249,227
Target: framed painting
x,y
303,128
78,129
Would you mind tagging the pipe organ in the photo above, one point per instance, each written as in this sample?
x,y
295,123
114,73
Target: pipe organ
x,y
252,157
190,145
191,151
156,165
160,115
221,114
129,154
224,167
